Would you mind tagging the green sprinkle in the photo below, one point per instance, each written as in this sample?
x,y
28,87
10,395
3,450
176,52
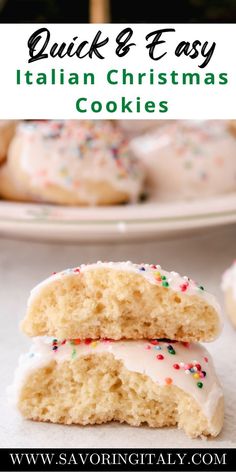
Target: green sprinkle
x,y
171,351
73,354
165,283
54,340
199,384
163,277
201,287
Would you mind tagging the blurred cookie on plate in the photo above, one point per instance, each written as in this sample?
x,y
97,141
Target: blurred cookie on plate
x,y
7,130
189,159
71,163
232,126
229,289
134,128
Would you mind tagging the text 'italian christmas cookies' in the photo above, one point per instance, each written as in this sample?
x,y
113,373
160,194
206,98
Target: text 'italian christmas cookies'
x,y
229,288
122,300
72,163
158,383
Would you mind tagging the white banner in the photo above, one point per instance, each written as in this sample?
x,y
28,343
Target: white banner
x,y
117,71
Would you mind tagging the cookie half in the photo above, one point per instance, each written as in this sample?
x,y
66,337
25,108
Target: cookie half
x,y
122,300
138,382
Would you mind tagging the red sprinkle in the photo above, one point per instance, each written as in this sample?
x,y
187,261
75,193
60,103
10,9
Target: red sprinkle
x,y
87,341
160,357
176,366
63,342
77,270
183,287
107,340
154,342
153,266
199,367
77,341
53,273
186,344
206,359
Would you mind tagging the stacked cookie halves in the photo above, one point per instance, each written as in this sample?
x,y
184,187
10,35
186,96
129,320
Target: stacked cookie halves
x,y
119,341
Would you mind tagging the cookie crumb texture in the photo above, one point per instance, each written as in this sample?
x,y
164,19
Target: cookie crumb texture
x,y
98,388
116,304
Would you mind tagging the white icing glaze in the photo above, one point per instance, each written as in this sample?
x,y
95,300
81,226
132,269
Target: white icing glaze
x,y
150,272
134,128
229,279
67,153
188,159
137,356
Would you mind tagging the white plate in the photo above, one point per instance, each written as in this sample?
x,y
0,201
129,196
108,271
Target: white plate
x,y
149,220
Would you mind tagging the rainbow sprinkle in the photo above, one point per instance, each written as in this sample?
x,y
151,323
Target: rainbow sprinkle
x,y
152,272
192,368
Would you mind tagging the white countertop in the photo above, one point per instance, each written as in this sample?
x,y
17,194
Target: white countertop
x,y
22,264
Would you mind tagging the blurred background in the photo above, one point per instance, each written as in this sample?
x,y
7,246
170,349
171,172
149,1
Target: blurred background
x,y
62,11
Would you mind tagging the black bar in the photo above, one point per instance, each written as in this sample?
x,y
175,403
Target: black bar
x,y
117,459
122,11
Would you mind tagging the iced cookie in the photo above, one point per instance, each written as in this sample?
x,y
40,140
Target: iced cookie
x,y
229,288
138,382
122,300
134,128
189,159
74,163
12,188
7,129
232,126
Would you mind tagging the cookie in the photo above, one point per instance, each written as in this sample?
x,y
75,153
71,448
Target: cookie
x,y
12,188
152,383
229,288
189,159
7,129
232,126
134,128
74,163
122,300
